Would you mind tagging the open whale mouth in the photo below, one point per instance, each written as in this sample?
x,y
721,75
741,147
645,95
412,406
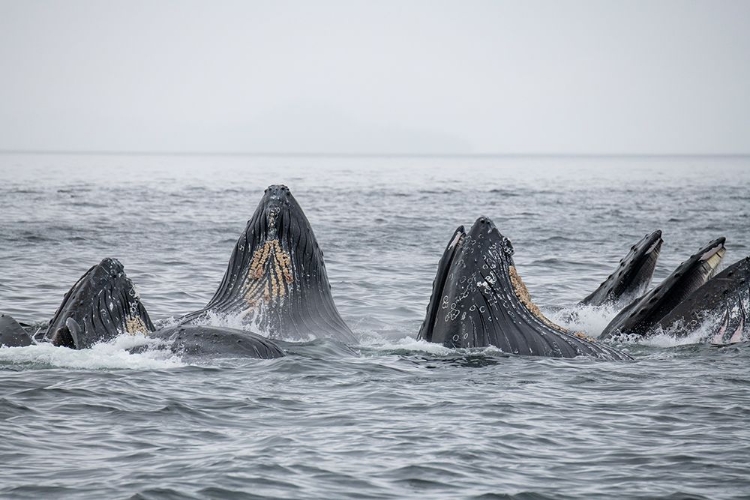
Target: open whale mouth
x,y
713,257
641,316
640,267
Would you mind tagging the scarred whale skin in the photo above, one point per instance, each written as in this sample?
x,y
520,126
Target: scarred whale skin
x,y
276,280
632,276
641,316
478,300
101,305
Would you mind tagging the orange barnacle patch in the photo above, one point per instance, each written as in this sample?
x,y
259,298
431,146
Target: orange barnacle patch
x,y
135,325
583,336
270,268
523,295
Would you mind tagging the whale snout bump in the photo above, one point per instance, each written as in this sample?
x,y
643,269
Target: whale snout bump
x,y
276,200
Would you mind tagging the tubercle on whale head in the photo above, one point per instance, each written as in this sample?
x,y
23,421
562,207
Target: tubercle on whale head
x,y
278,216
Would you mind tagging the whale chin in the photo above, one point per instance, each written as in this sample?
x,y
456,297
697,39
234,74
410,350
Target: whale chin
x,y
276,280
479,300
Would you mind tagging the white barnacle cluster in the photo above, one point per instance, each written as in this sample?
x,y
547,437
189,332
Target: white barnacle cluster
x,y
134,324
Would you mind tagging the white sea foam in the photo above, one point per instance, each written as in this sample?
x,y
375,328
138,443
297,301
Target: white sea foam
x,y
376,343
111,355
588,319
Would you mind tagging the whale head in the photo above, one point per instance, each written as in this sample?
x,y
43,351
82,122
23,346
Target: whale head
x,y
641,315
276,280
633,274
479,300
101,305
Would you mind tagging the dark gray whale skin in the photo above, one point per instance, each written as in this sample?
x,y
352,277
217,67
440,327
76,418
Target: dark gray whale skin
x,y
101,305
12,334
211,341
479,300
632,276
641,316
104,304
276,280
723,295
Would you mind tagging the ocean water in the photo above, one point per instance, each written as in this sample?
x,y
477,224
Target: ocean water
x,y
392,417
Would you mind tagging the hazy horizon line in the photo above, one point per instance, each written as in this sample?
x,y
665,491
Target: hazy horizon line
x,y
370,155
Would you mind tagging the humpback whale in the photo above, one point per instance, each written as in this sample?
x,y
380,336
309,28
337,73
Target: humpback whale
x,y
276,279
725,296
632,276
641,315
478,299
101,305
104,304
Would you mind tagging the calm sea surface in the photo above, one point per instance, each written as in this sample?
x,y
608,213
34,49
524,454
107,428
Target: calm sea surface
x,y
394,418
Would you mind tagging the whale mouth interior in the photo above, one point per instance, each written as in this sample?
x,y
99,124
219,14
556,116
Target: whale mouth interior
x,y
713,257
655,246
707,263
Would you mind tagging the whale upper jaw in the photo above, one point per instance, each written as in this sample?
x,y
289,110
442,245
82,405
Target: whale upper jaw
x,y
633,274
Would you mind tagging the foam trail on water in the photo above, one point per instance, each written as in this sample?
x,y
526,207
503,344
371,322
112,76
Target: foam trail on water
x,y
374,343
111,355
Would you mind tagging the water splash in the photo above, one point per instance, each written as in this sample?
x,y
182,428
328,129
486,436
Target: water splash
x,y
113,355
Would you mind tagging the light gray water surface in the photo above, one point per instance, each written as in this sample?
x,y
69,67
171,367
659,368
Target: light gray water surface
x,y
397,418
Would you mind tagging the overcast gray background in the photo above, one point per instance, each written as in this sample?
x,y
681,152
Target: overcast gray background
x,y
598,77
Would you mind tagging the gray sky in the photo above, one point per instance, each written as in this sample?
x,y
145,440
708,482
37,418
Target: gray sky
x,y
590,77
